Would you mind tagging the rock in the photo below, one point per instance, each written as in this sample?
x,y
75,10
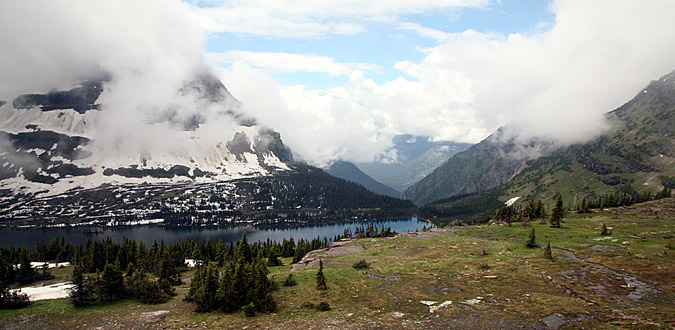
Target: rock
x,y
433,309
397,314
393,246
471,302
428,302
639,256
554,321
490,276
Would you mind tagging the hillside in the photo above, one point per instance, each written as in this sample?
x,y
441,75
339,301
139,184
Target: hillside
x,y
350,172
635,155
473,277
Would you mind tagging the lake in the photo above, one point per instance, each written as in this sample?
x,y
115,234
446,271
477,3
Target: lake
x,y
28,237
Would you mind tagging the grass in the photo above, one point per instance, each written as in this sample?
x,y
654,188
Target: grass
x,y
511,279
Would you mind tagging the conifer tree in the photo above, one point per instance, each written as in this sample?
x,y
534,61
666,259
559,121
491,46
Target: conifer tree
x,y
26,272
112,283
531,241
557,213
320,278
244,250
80,293
547,251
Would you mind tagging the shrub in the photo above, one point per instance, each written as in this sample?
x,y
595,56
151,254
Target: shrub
x,y
361,264
290,281
323,306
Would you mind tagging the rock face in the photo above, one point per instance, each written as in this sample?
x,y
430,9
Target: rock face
x,y
485,165
53,141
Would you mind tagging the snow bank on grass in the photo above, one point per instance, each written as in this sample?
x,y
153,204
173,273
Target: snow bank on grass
x,y
54,291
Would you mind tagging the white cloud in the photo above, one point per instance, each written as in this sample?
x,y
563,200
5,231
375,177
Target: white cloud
x,y
307,18
556,83
425,32
279,62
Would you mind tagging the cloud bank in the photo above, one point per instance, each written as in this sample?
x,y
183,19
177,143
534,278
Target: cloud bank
x,y
555,82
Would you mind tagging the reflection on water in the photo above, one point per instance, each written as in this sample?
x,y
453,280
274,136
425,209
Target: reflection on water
x,y
228,234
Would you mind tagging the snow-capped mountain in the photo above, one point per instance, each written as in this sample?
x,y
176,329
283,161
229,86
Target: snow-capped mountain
x,y
53,141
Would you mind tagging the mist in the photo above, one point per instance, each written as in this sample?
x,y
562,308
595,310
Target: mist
x,y
150,51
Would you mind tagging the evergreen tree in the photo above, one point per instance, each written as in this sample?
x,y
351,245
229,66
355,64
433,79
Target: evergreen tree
x,y
531,241
547,251
320,278
26,272
604,231
80,293
225,289
273,259
112,283
557,213
290,281
244,250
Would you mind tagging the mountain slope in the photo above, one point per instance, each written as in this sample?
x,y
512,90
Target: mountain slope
x,y
62,139
417,156
636,155
350,172
485,165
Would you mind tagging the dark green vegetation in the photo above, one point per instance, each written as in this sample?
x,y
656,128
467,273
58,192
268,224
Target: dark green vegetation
x,y
636,157
350,172
620,281
302,195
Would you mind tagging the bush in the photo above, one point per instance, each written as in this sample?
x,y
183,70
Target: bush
x,y
361,264
323,306
249,310
13,299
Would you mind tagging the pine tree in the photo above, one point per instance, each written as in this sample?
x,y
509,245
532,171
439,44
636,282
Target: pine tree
x,y
112,283
244,250
547,251
273,259
225,289
80,293
26,272
531,241
604,231
320,278
557,213
290,281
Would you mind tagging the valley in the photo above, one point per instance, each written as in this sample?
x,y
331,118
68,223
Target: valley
x,y
461,277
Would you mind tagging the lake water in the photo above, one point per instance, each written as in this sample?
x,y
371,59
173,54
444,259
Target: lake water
x,y
228,234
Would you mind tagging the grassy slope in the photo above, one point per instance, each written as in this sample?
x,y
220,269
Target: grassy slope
x,y
450,266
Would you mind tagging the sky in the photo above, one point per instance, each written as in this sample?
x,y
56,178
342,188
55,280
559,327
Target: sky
x,y
339,79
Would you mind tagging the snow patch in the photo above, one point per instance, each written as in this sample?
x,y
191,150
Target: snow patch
x,y
512,201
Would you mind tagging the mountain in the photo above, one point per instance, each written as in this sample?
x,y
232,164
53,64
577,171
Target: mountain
x,y
350,172
49,141
636,155
416,157
69,157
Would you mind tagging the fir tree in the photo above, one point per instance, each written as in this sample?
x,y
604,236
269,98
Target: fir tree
x,y
320,278
80,293
557,213
112,283
244,250
547,251
531,241
290,281
26,272
604,231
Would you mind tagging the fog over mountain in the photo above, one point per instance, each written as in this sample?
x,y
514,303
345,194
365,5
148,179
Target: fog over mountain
x,y
552,82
